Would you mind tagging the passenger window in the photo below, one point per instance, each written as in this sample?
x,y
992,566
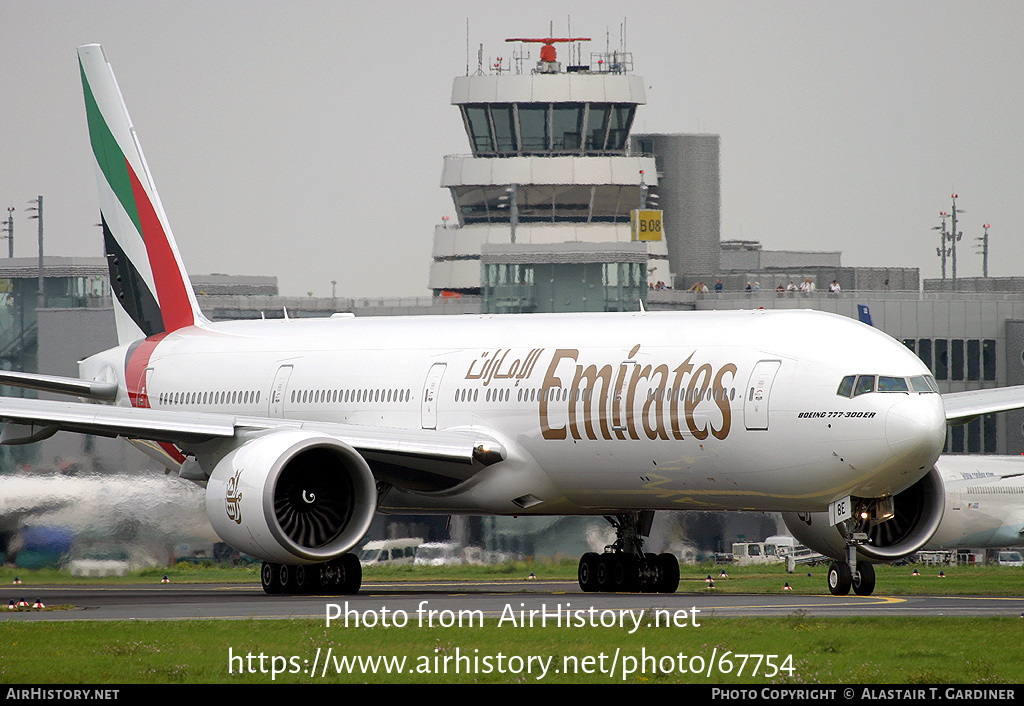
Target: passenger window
x,y
846,386
865,383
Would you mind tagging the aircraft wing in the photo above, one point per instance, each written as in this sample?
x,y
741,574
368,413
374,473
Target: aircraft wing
x,y
47,417
454,454
963,406
60,385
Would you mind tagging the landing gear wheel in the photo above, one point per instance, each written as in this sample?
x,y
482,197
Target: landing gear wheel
x,y
630,573
652,577
286,578
352,574
587,572
269,578
668,572
307,578
604,572
864,579
839,578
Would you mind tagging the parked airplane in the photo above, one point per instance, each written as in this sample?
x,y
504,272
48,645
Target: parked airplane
x,y
984,503
974,502
303,429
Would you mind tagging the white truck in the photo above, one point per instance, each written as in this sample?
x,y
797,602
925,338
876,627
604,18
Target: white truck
x,y
389,552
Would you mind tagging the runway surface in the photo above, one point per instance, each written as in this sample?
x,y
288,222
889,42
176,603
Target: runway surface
x,y
492,598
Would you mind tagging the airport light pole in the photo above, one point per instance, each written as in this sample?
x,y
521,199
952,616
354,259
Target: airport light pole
x,y
942,251
984,250
511,195
954,236
39,215
9,229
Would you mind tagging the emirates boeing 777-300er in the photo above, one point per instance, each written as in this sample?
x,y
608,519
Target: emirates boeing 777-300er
x,y
302,429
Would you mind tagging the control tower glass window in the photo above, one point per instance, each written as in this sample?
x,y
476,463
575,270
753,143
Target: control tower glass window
x,y
536,203
621,121
566,126
533,126
503,116
547,203
479,128
571,203
504,129
597,126
483,204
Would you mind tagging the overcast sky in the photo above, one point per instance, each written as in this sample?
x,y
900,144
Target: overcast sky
x,y
305,140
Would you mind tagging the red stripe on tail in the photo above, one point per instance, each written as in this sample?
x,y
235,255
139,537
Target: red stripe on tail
x,y
171,291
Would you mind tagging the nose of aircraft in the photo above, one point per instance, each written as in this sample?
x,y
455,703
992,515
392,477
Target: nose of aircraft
x,y
916,430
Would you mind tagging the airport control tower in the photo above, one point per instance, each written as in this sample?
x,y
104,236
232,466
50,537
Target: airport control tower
x,y
550,167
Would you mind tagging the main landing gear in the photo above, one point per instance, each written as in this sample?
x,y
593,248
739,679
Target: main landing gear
x,y
338,576
623,566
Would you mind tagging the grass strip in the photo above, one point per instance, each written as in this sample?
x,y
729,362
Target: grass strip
x,y
832,651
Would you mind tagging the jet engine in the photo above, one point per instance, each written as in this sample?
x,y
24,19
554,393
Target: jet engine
x,y
917,513
292,497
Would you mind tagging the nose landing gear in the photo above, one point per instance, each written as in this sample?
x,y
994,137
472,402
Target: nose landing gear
x,y
858,575
841,578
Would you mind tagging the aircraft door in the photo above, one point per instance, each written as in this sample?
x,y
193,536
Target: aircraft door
x,y
431,388
755,401
278,390
144,383
620,414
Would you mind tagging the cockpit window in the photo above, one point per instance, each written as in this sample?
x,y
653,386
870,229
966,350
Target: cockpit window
x,y
891,384
920,384
846,386
865,383
853,385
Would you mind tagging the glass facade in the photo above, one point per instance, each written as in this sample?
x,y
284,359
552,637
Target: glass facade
x,y
516,129
548,203
957,360
562,287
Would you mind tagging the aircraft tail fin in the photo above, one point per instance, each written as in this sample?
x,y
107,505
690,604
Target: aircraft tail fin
x,y
864,314
151,290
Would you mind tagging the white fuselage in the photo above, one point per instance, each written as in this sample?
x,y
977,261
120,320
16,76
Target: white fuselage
x,y
695,410
984,502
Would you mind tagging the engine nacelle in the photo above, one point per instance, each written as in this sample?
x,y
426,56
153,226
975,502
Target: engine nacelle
x,y
918,512
292,497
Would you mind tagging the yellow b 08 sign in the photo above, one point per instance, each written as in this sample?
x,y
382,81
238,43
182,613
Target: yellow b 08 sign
x,y
646,225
